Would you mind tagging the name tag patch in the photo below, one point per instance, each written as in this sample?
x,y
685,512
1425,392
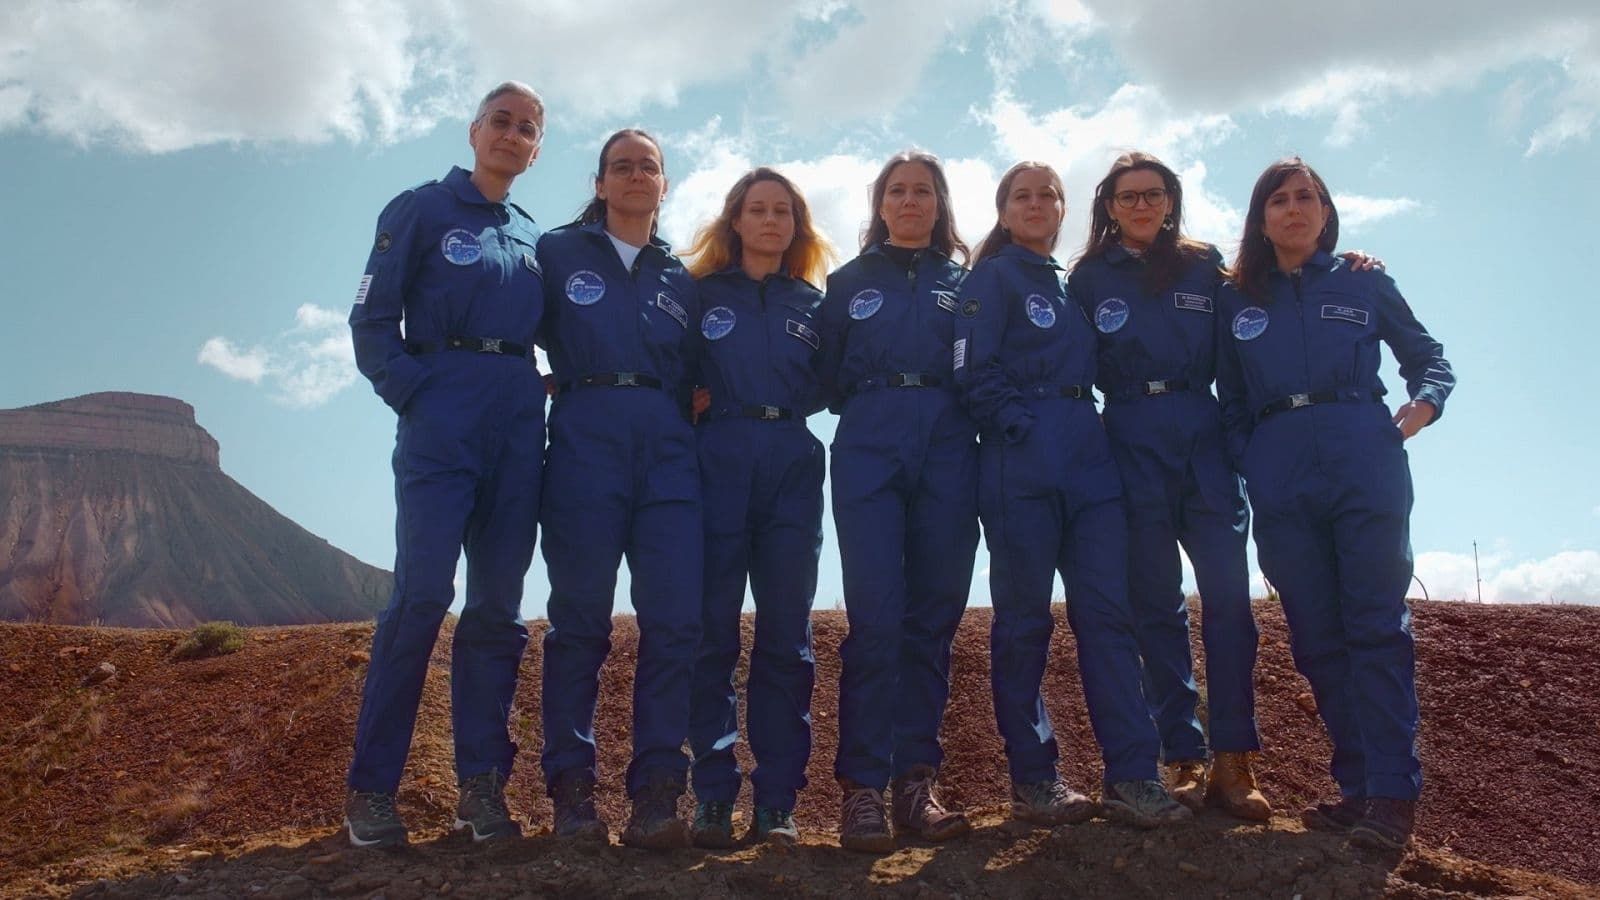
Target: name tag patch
x,y
799,330
718,323
1192,302
866,304
1345,314
670,305
960,353
946,299
585,288
361,290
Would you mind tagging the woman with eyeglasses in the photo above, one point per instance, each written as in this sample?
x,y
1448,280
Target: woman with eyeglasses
x,y
904,502
621,478
454,261
1051,501
1329,482
761,475
1151,293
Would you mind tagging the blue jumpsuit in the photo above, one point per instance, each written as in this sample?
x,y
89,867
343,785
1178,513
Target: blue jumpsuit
x,y
1051,501
621,478
761,479
905,475
1297,376
1157,362
456,268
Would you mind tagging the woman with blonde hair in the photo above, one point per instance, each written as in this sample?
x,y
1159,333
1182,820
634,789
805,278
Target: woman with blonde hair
x,y
761,473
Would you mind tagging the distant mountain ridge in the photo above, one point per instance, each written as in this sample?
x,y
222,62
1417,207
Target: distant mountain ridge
x,y
114,509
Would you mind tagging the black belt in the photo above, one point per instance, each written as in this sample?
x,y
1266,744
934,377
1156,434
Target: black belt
x,y
753,411
1313,398
472,345
1070,391
899,380
1150,389
613,379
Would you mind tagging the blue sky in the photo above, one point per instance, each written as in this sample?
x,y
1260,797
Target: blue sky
x,y
191,187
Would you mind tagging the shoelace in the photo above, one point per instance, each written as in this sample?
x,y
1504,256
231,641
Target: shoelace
x,y
659,798
1236,767
1148,795
922,795
379,805
486,789
863,810
717,812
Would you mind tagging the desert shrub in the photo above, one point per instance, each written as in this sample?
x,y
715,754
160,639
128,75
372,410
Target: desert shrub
x,y
210,639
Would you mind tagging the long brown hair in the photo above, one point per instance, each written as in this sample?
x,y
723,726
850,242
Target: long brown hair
x,y
945,238
1171,250
716,245
595,209
999,236
1256,255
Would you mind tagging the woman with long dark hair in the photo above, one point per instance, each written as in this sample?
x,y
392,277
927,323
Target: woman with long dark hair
x,y
1151,293
1050,499
621,479
1329,482
761,475
904,501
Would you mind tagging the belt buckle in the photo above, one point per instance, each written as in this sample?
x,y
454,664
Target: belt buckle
x,y
770,413
627,379
489,345
1156,387
1298,400
911,379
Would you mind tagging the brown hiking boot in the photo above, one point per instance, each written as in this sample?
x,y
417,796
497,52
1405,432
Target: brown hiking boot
x,y
1186,782
917,811
1233,788
863,825
1338,817
1385,824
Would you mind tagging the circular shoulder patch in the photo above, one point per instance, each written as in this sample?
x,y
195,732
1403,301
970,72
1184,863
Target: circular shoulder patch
x,y
1111,315
585,288
461,247
866,304
970,308
1040,311
384,242
1250,323
718,323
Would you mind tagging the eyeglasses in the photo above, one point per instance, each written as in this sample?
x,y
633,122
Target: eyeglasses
x,y
624,168
525,129
1130,199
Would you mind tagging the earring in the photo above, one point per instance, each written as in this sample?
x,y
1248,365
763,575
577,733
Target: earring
x,y
1166,224
1116,228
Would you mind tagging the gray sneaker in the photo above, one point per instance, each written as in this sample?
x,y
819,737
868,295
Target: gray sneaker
x,y
370,820
776,826
482,812
1050,803
1145,804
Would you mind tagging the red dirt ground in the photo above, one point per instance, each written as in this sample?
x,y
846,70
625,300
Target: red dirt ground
x,y
224,777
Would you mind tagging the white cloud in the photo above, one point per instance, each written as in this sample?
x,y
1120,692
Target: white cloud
x,y
305,365
1257,54
1571,576
1356,211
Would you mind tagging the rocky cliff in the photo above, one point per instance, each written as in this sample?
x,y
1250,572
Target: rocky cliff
x,y
113,509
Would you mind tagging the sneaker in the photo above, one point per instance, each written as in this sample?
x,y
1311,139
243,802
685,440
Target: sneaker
x,y
481,811
863,823
1145,804
1335,817
713,825
576,818
918,811
654,823
1186,781
1050,803
1233,788
1385,824
776,826
370,820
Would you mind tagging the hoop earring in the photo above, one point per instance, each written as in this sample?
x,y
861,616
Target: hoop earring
x,y
1166,224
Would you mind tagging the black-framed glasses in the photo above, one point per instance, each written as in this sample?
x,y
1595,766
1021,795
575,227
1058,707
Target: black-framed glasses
x,y
1130,199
